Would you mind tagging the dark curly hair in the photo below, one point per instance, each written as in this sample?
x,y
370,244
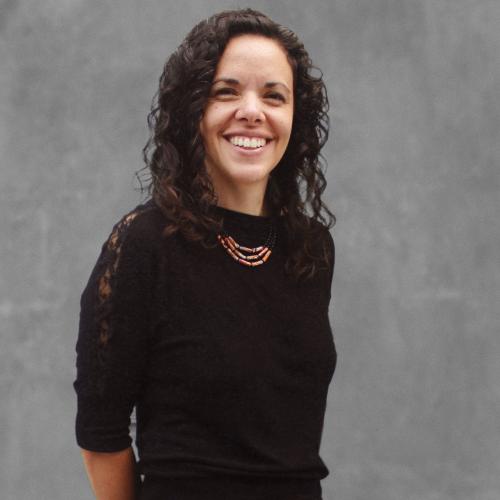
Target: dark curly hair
x,y
174,154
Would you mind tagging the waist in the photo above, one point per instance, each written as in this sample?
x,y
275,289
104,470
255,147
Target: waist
x,y
230,487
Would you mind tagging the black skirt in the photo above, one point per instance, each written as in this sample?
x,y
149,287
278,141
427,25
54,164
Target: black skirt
x,y
230,488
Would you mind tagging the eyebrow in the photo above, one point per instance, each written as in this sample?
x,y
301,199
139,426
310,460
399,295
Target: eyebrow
x,y
233,81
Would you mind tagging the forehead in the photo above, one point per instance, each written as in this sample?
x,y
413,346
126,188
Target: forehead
x,y
254,56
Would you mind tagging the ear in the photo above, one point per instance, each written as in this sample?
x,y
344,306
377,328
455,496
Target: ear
x,y
201,127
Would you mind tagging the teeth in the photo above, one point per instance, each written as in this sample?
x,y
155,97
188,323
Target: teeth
x,y
248,142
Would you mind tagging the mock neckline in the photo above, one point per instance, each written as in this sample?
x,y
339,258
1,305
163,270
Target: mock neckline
x,y
235,215
246,228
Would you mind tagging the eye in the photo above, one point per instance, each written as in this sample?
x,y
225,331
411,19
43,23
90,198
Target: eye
x,y
223,91
276,96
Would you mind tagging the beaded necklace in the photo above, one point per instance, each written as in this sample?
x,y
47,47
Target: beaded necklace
x,y
254,256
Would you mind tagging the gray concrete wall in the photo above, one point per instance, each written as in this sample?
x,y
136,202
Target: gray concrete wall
x,y
413,179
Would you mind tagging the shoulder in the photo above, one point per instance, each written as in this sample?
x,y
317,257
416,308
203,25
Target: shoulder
x,y
324,234
324,244
141,227
329,241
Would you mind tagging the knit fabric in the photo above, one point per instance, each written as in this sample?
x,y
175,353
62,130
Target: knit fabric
x,y
228,366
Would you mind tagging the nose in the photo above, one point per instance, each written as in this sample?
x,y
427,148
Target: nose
x,y
250,109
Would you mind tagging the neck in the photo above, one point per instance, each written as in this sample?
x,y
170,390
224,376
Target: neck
x,y
247,198
245,205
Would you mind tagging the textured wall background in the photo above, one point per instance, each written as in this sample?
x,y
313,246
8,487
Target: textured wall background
x,y
414,180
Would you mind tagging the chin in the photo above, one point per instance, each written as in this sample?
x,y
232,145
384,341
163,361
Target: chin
x,y
251,175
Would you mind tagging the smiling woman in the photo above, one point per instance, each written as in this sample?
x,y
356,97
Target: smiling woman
x,y
248,118
207,308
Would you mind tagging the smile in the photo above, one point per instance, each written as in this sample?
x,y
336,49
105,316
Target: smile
x,y
248,142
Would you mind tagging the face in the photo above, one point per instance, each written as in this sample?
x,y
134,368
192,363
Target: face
x,y
247,121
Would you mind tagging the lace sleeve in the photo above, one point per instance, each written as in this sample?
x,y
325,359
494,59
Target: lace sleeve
x,y
112,346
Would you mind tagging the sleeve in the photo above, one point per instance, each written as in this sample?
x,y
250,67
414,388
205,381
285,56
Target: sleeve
x,y
113,334
331,254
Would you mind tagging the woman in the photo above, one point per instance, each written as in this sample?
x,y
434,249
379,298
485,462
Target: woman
x,y
207,309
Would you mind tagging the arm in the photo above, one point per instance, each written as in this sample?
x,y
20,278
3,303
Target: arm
x,y
111,475
112,353
331,255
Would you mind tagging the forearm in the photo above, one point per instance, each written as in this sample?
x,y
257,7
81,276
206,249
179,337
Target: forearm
x,y
112,475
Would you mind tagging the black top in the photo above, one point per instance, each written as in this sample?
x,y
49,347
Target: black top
x,y
228,366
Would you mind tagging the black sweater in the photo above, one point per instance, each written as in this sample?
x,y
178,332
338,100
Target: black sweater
x,y
228,366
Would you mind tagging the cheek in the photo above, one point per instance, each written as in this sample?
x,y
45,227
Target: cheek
x,y
286,120
285,126
212,122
